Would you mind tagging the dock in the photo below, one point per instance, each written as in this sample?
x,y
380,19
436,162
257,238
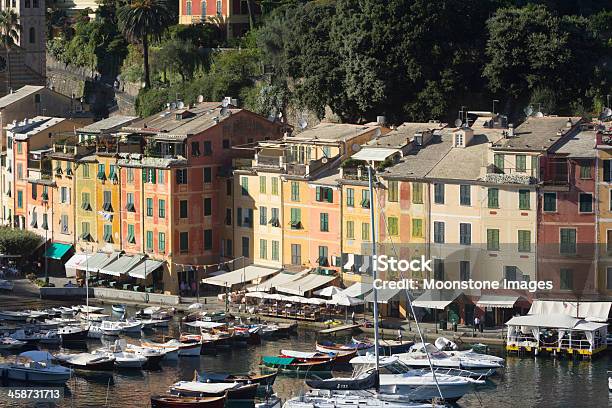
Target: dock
x,y
339,329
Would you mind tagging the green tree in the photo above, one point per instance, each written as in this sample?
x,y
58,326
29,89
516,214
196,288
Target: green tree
x,y
9,33
142,21
18,242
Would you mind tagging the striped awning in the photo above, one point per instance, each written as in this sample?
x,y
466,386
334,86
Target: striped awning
x,y
121,265
144,269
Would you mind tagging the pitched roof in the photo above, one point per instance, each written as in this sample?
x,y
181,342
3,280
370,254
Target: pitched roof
x,y
332,132
107,124
23,130
419,161
19,94
463,163
402,134
581,145
538,134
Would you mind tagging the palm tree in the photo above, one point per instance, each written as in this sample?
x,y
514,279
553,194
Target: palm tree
x,y
141,21
9,35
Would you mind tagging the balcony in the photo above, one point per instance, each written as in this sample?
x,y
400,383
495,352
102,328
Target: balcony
x,y
497,175
556,173
268,161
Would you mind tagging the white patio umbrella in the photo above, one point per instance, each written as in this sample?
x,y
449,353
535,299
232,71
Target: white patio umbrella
x,y
314,301
344,300
328,291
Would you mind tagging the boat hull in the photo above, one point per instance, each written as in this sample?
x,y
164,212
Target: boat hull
x,y
36,376
190,350
170,401
427,392
243,393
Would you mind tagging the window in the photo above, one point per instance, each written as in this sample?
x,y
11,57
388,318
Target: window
x,y
274,218
465,197
85,168
365,198
64,195
585,170
393,225
245,247
35,5
228,187
101,172
228,216
161,242
296,218
493,198
324,222
86,203
263,249
567,240
207,175
524,200
417,227
275,250
566,281
188,8
183,242
183,209
226,144
586,203
207,148
521,163
44,225
149,207
439,232
148,176
439,193
464,270
465,234
492,239
296,254
524,241
160,176
34,191
350,197
274,185
550,202
19,147
19,171
607,171
195,149
106,204
219,7
393,193
350,230
108,233
323,256
262,184
207,206
27,3
263,215
365,231
149,241
129,174
129,202
19,199
248,219
162,208
85,231
181,176
498,162
131,236
438,269
510,273
208,239
324,194
295,191
244,186
239,217
609,241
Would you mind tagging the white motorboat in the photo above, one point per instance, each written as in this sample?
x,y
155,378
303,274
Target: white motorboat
x,y
130,326
109,328
416,357
50,337
352,399
123,358
152,355
95,331
73,333
66,311
14,316
38,370
37,314
88,361
93,317
184,349
9,343
6,285
87,309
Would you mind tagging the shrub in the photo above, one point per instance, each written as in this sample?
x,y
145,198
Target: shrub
x,y
18,242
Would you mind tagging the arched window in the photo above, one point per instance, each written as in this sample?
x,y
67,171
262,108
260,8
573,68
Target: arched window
x,y
32,35
188,7
203,4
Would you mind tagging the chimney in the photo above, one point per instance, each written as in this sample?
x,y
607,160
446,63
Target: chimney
x,y
381,120
510,130
568,124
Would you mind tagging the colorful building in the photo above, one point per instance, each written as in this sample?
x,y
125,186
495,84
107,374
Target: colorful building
x,y
603,210
231,16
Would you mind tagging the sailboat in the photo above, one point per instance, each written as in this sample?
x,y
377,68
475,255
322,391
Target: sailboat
x,y
362,391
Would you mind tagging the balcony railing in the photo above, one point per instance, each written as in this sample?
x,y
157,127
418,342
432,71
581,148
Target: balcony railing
x,y
510,175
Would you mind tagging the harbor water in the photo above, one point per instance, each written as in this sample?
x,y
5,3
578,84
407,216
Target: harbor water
x,y
525,382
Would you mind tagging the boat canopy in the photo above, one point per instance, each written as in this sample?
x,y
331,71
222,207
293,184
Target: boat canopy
x,y
144,269
503,302
275,281
553,321
240,276
37,355
592,311
305,284
273,360
121,265
437,299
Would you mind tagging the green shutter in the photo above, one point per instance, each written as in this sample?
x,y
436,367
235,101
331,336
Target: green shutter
x,y
493,198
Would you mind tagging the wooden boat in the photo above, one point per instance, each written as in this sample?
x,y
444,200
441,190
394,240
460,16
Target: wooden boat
x,y
262,380
232,391
338,356
292,364
172,401
330,347
87,361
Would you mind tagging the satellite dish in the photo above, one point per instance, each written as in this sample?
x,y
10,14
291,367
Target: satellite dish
x,y
180,105
200,98
173,106
324,160
225,102
356,147
528,110
458,122
539,115
302,123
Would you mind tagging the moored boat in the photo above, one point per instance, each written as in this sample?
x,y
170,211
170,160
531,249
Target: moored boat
x,y
119,308
173,401
87,361
338,356
292,364
14,316
232,391
71,334
262,380
39,369
9,343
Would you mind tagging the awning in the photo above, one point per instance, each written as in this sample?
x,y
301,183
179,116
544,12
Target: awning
x,y
374,153
276,280
144,269
74,263
592,311
307,283
121,265
387,295
99,260
365,265
350,262
57,250
240,276
553,320
358,289
436,299
502,302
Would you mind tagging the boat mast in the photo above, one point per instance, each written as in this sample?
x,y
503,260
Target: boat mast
x,y
87,285
375,292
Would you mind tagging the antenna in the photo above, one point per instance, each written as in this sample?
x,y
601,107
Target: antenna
x,y
458,122
200,98
528,110
302,123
